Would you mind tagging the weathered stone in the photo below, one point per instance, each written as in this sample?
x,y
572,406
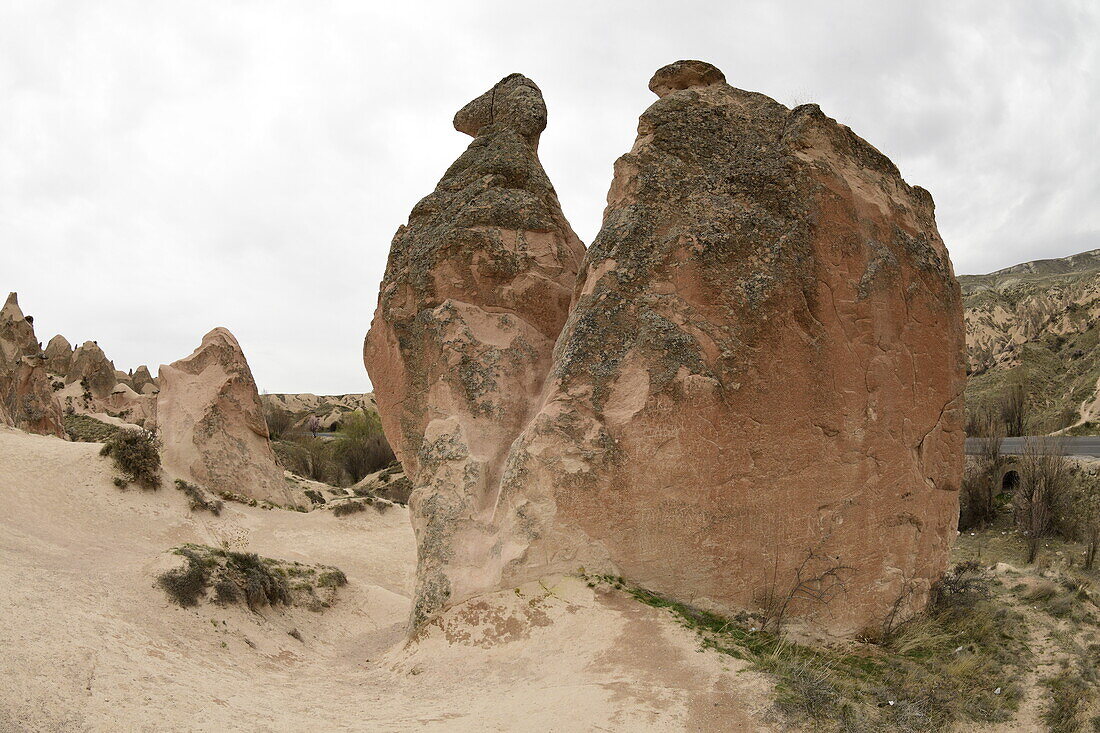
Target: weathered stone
x,y
476,290
16,332
141,378
757,394
59,355
93,370
25,391
759,390
212,425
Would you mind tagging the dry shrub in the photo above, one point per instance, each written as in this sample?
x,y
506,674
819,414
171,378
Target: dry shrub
x,y
1044,485
980,487
136,454
199,499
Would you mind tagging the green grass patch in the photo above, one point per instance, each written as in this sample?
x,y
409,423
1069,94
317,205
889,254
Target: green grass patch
x,y
958,662
86,429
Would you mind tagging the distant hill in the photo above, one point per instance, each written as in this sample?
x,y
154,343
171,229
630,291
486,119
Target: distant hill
x,y
1034,327
327,408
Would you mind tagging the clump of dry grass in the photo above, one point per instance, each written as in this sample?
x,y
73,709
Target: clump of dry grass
x,y
244,576
198,498
958,661
136,454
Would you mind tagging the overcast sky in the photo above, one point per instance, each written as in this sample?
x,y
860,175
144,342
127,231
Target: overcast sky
x,y
166,168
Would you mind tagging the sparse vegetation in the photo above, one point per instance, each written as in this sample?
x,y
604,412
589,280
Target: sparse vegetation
x,y
278,420
136,454
1044,474
361,447
243,576
239,498
86,429
344,508
1068,697
199,499
958,661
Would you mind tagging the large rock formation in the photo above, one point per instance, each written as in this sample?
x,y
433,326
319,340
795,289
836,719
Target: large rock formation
x,y
28,399
59,355
476,290
91,368
211,423
141,378
756,398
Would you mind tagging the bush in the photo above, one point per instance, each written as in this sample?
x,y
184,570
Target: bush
x,y
1044,485
980,487
349,507
199,499
136,455
361,447
186,584
278,420
245,576
312,458
86,429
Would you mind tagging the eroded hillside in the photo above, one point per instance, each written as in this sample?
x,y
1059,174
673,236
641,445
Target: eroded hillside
x,y
1034,327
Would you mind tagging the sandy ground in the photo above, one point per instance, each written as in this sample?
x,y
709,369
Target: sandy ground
x,y
89,643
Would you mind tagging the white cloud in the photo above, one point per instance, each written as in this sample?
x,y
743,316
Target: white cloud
x,y
169,167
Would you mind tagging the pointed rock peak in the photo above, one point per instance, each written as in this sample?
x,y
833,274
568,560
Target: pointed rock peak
x,y
221,335
685,75
11,310
515,102
59,343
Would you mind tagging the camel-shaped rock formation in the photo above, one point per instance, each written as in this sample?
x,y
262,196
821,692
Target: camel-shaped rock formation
x,y
755,399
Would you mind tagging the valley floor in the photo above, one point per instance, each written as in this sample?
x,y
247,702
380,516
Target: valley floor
x,y
88,642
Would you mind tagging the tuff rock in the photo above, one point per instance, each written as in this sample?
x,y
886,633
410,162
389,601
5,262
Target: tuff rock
x,y
25,390
91,368
757,394
59,355
476,290
211,423
140,378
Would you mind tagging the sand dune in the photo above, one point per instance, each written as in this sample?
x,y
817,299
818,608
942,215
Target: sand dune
x,y
90,643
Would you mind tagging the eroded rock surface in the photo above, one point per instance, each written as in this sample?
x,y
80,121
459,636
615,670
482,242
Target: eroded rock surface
x,y
211,423
91,368
760,382
25,390
59,355
476,290
757,393
141,378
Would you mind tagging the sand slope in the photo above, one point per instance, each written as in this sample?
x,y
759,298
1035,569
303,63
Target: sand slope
x,y
89,642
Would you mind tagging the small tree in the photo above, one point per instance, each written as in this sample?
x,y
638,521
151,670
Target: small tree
x,y
1044,478
278,420
1014,410
980,481
361,445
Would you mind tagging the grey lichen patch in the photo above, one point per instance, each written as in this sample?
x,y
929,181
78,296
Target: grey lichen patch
x,y
882,268
439,513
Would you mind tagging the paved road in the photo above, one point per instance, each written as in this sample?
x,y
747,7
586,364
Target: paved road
x,y
1087,445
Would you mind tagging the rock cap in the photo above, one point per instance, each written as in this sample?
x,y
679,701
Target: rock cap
x,y
514,102
685,75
